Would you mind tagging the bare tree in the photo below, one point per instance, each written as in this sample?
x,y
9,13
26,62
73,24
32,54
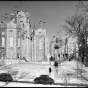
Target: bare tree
x,y
77,25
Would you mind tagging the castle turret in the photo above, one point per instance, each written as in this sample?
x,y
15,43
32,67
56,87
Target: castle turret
x,y
23,21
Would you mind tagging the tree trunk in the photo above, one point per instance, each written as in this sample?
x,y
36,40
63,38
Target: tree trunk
x,y
86,49
83,53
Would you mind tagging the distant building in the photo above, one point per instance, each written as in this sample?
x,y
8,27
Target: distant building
x,y
52,45
70,46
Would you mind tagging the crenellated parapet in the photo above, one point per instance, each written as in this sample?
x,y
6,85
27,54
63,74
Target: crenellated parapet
x,y
23,17
40,32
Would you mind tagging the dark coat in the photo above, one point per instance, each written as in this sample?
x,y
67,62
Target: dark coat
x,y
51,58
49,70
56,64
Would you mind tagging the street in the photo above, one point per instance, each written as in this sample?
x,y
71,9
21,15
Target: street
x,y
31,84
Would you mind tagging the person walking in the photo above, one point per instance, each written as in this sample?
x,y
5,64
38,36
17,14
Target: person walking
x,y
56,66
58,55
50,70
63,55
59,58
51,59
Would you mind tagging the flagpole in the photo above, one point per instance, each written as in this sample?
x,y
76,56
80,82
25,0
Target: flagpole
x,y
20,5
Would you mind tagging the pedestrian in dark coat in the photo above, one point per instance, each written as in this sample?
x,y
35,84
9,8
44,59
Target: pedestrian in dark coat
x,y
63,55
56,66
51,58
49,70
58,55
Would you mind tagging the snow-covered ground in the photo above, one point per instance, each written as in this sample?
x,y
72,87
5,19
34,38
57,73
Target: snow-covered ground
x,y
67,72
26,71
30,85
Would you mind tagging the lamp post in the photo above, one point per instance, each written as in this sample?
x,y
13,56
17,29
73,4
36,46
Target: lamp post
x,y
65,44
56,48
53,49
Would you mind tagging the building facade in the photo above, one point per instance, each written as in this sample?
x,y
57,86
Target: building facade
x,y
40,45
3,41
16,43
70,46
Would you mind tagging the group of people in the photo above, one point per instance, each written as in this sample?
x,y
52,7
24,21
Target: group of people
x,y
63,55
55,64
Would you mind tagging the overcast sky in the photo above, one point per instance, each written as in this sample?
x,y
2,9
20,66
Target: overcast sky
x,y
52,12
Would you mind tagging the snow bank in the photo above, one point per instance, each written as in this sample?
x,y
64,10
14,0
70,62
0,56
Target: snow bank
x,y
51,75
77,81
69,67
3,71
72,63
31,85
59,80
27,71
2,84
67,70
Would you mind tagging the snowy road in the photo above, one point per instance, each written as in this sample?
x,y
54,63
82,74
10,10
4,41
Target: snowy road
x,y
31,84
